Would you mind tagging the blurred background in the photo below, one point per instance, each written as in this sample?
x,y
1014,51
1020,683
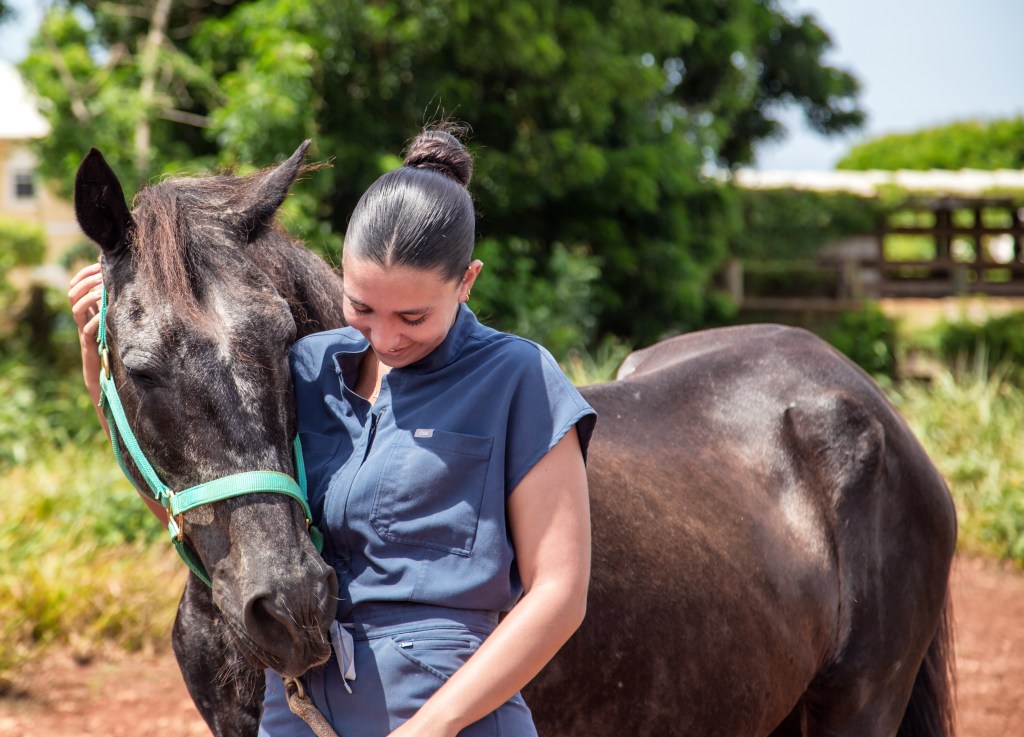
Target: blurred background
x,y
643,168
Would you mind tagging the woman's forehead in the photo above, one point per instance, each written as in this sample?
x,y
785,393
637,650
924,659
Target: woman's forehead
x,y
397,287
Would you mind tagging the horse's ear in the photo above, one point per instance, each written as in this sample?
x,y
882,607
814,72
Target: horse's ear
x,y
99,203
267,190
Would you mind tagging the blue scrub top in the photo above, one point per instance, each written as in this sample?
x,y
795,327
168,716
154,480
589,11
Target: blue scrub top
x,y
411,491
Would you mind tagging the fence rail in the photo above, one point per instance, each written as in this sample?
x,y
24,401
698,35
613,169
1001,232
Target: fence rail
x,y
843,285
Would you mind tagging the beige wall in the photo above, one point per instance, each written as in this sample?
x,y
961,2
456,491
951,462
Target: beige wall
x,y
55,216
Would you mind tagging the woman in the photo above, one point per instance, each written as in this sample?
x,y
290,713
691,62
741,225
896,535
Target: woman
x,y
445,463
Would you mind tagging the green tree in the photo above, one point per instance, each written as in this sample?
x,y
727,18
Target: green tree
x,y
968,144
591,121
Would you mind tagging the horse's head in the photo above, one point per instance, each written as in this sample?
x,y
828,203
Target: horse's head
x,y
199,335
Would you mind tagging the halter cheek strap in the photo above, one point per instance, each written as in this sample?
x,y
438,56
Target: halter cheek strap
x,y
177,503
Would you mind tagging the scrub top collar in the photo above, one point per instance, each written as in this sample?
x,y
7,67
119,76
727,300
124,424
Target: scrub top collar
x,y
449,349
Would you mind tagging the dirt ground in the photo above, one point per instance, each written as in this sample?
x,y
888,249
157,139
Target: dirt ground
x,y
145,695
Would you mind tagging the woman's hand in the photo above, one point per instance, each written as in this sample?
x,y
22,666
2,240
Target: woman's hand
x,y
84,294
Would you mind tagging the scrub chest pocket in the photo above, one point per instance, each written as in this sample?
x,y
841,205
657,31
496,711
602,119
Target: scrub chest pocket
x,y
431,489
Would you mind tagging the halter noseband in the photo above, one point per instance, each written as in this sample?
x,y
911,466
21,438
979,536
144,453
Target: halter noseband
x,y
178,502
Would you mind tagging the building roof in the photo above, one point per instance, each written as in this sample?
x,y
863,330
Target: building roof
x,y
970,183
19,118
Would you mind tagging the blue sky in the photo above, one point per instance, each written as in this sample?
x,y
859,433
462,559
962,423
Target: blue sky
x,y
921,62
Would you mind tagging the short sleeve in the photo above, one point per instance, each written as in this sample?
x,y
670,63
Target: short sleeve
x,y
544,407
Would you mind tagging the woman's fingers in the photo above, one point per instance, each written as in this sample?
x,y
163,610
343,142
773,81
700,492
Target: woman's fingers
x,y
92,327
86,307
84,294
84,273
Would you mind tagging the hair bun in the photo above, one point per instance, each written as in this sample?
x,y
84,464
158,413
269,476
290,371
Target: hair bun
x,y
441,151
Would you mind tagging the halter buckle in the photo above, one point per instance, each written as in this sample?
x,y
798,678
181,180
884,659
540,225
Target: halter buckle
x,y
175,523
173,527
105,362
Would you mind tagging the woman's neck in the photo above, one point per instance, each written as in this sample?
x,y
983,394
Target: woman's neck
x,y
371,372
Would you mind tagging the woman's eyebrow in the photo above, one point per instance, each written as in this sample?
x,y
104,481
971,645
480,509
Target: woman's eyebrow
x,y
415,311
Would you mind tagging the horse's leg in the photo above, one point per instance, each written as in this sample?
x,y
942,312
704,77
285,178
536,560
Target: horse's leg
x,y
227,691
895,532
891,697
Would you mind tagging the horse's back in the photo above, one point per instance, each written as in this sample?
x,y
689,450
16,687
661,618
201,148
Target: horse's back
x,y
768,480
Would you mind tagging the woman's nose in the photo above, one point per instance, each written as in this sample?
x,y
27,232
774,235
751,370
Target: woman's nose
x,y
387,338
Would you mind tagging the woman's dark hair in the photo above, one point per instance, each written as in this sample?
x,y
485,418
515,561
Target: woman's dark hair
x,y
420,215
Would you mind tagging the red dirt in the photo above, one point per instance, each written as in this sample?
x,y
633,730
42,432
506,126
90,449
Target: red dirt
x,y
145,695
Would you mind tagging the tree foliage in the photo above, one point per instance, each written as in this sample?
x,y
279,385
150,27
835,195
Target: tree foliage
x,y
969,144
592,122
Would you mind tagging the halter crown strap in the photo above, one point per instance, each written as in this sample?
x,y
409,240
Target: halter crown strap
x,y
177,503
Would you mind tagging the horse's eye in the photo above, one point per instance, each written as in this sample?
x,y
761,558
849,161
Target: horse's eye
x,y
142,378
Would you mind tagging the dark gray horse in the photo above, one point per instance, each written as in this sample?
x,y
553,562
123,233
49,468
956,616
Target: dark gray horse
x,y
206,294
771,544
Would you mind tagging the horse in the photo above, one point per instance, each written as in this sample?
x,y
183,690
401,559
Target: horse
x,y
205,296
771,545
772,549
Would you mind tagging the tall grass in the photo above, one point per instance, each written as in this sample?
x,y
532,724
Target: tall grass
x,y
584,368
971,427
83,565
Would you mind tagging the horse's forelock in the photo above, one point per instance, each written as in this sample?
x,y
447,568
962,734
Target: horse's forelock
x,y
179,224
185,230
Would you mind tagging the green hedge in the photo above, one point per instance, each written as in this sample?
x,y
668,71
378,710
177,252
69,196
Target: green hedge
x,y
791,224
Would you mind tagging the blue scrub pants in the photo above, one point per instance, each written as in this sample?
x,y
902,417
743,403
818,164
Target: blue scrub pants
x,y
403,654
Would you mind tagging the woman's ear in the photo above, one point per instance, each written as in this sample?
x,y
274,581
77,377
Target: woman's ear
x,y
468,279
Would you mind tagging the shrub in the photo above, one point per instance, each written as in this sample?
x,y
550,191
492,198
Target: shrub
x,y
996,343
794,224
555,309
42,410
21,244
868,338
584,367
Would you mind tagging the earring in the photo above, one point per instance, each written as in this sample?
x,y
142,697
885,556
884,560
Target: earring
x,y
468,292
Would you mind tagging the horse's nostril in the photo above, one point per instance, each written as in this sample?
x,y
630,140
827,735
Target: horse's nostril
x,y
263,616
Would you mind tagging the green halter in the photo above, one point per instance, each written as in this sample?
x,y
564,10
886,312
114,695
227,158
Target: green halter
x,y
178,502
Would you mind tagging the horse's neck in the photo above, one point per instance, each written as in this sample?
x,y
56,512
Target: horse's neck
x,y
313,290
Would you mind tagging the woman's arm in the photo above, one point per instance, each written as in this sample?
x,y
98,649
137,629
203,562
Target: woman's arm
x,y
84,294
549,514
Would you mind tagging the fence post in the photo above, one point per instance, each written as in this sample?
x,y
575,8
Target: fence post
x,y
734,280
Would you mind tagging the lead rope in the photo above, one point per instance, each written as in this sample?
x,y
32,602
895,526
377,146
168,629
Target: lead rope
x,y
303,707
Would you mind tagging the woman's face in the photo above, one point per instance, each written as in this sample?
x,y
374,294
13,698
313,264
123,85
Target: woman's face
x,y
404,312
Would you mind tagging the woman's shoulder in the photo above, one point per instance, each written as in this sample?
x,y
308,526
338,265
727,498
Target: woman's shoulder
x,y
508,346
519,359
